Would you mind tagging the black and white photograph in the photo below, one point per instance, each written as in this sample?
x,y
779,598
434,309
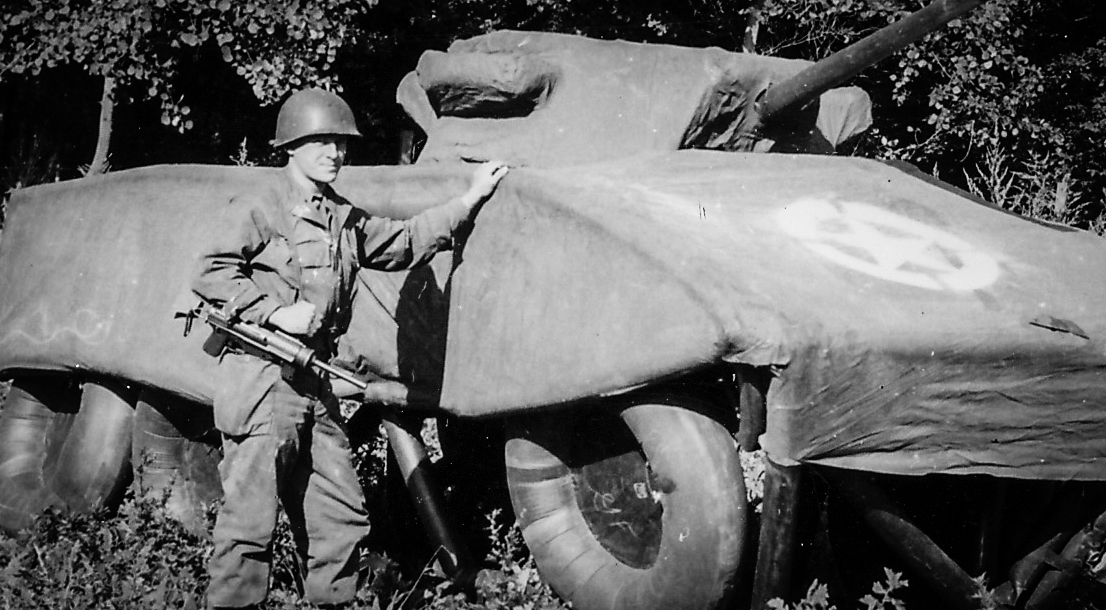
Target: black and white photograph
x,y
553,304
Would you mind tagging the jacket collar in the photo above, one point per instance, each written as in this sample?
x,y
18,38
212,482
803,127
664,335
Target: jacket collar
x,y
303,203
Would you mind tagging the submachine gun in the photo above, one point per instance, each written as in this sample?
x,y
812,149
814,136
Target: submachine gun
x,y
453,557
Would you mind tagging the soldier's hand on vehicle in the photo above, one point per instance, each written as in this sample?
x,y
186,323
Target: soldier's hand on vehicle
x,y
484,180
295,319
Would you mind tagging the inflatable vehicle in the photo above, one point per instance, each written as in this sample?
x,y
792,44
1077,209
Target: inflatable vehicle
x,y
667,274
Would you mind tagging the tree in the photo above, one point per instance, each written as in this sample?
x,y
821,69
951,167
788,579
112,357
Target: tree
x,y
1010,98
1023,76
136,46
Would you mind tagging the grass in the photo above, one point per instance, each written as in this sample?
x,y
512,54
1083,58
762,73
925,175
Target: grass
x,y
137,558
140,558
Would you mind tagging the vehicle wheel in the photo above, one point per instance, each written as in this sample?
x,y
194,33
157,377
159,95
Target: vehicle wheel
x,y
29,423
642,507
61,448
93,466
175,455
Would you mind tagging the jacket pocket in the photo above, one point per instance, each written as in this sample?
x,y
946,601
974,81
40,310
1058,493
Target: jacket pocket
x,y
276,272
241,405
314,254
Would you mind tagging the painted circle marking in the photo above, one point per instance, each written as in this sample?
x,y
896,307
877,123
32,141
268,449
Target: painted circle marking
x,y
888,246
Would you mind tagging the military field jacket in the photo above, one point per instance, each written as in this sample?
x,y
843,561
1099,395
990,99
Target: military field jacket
x,y
277,246
282,244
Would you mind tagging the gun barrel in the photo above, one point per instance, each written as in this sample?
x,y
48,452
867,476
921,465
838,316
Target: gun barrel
x,y
834,70
334,371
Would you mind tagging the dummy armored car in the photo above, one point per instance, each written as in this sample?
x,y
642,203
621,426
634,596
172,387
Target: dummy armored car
x,y
667,273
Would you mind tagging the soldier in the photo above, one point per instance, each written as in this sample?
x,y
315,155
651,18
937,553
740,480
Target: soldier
x,y
285,257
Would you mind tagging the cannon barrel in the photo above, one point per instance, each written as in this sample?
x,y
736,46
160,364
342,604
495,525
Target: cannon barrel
x,y
832,71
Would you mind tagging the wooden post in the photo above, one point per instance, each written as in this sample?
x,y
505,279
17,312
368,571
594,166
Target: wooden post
x,y
778,533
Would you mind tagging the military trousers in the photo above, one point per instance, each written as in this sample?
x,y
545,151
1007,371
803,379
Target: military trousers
x,y
297,455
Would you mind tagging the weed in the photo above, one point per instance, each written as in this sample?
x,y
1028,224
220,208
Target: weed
x,y
242,157
987,598
885,591
882,596
139,558
512,584
1038,188
30,164
816,598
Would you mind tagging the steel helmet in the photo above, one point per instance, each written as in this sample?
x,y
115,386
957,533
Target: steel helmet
x,y
313,112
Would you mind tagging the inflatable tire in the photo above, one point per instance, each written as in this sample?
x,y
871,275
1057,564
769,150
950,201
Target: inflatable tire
x,y
93,464
643,510
175,457
31,422
60,450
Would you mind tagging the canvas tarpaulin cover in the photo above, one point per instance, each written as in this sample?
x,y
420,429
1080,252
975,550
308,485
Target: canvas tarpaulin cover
x,y
911,329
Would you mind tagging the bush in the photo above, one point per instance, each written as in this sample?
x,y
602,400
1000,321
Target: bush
x,y
139,558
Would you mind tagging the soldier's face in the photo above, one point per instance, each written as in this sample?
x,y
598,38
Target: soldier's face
x,y
319,158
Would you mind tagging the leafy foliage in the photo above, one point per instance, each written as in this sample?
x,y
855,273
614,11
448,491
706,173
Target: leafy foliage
x,y
276,45
141,558
1022,76
813,29
512,584
690,22
882,597
886,593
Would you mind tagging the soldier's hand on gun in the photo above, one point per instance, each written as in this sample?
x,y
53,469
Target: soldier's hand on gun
x,y
344,389
484,180
385,393
295,319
